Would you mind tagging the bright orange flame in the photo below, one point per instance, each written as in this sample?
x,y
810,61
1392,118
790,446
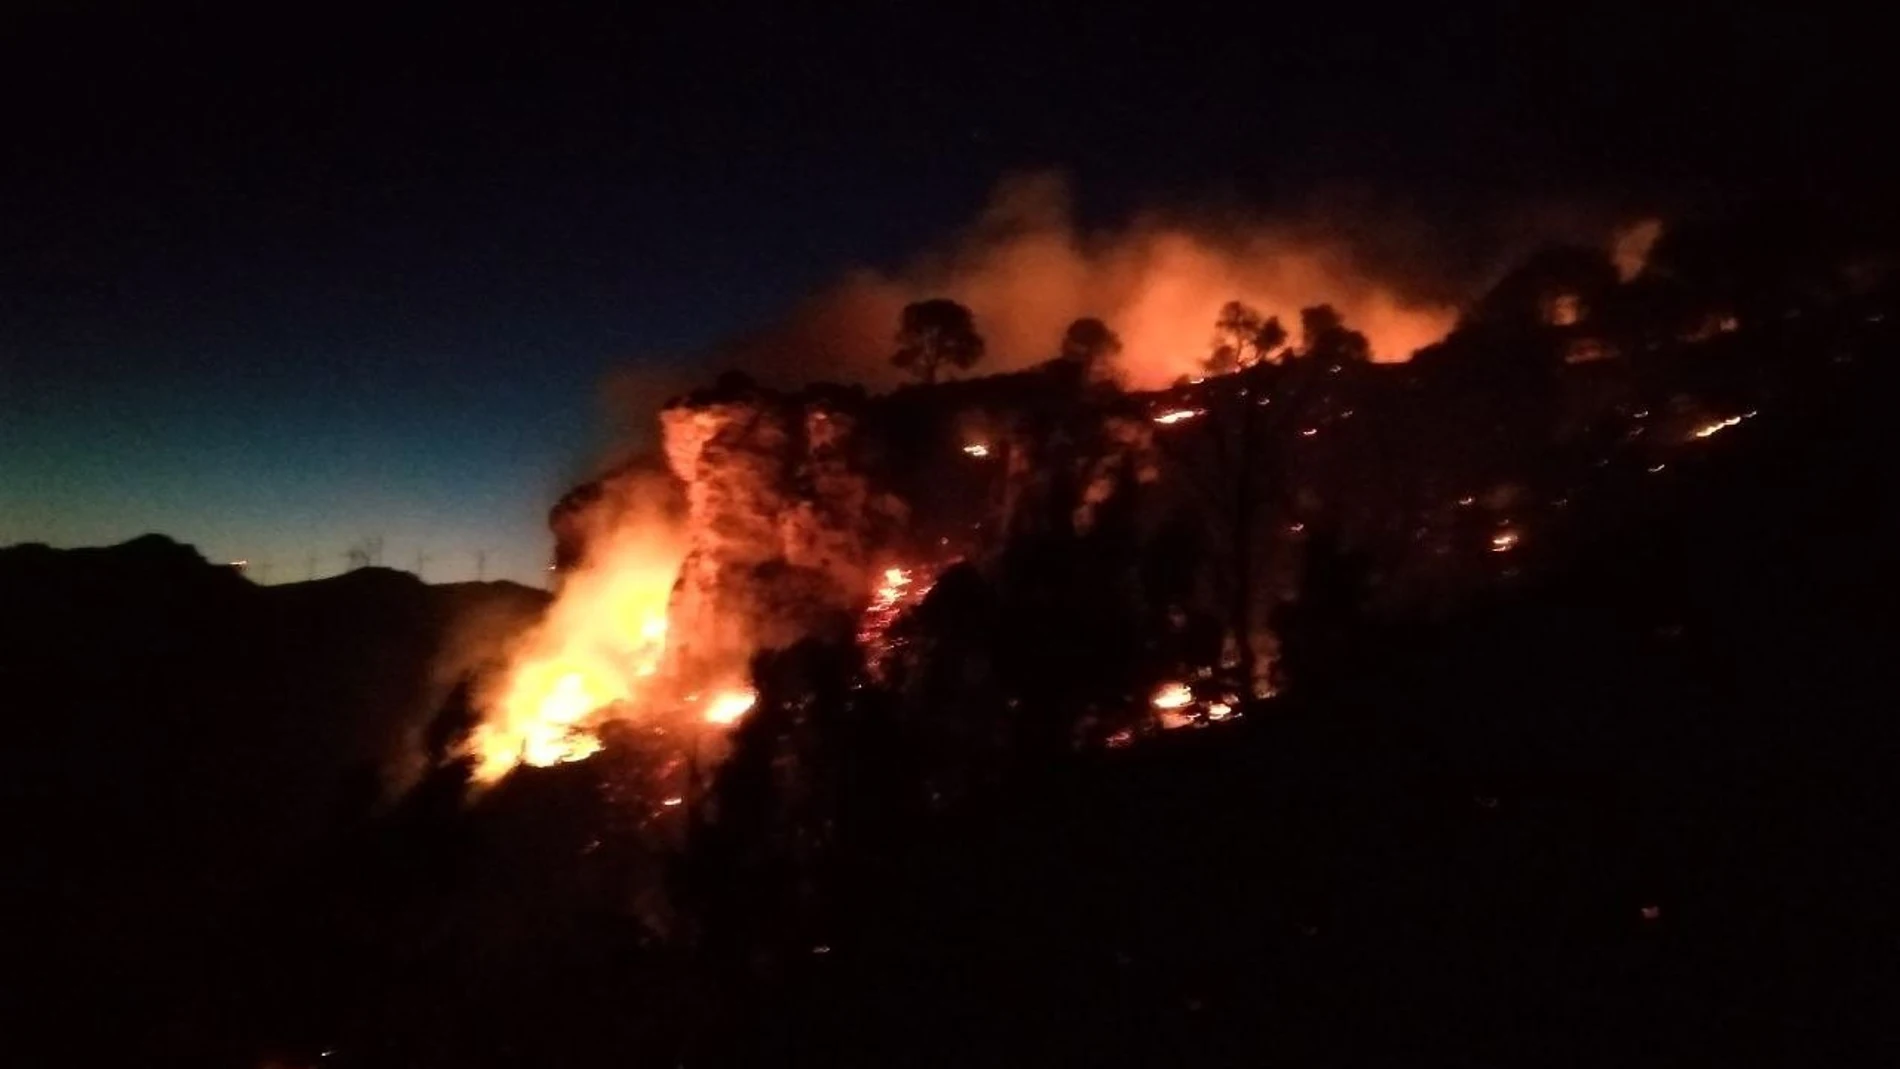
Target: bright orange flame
x,y
730,706
897,593
1172,696
592,657
1176,415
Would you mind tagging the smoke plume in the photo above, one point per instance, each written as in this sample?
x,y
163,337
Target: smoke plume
x,y
1027,271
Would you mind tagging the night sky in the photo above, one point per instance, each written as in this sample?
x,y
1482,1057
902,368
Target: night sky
x,y
271,285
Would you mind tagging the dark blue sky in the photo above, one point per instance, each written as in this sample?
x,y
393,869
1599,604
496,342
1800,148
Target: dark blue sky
x,y
272,287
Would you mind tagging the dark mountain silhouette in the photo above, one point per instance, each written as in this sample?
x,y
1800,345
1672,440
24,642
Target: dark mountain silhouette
x,y
178,736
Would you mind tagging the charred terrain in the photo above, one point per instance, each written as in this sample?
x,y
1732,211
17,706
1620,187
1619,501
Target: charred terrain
x,y
1517,704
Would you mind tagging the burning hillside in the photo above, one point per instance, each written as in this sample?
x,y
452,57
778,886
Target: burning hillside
x,y
1178,521
663,607
828,652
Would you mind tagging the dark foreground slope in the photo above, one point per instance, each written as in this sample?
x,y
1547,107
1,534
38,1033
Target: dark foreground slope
x,y
175,737
1642,813
1632,808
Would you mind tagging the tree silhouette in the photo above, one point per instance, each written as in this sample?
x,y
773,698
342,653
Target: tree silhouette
x,y
1260,407
366,553
1088,343
935,334
1243,338
1324,336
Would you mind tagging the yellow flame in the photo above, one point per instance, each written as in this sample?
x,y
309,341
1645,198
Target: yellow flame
x,y
1172,696
594,655
1709,430
1176,415
729,706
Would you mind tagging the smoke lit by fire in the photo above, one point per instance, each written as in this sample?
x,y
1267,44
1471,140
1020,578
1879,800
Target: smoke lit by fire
x,y
1027,271
657,622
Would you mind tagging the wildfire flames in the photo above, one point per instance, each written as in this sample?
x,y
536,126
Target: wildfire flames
x,y
586,666
897,593
729,707
1175,705
1173,696
599,649
657,627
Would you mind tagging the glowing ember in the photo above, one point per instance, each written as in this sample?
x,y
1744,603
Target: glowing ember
x,y
1709,430
1177,415
976,449
671,802
727,707
897,593
1504,541
1172,696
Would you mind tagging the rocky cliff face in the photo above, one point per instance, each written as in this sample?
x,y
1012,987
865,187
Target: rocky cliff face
x,y
783,525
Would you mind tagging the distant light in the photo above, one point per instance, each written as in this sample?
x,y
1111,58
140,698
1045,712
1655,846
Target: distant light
x,y
670,802
1504,541
1176,415
977,449
1308,432
1657,468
